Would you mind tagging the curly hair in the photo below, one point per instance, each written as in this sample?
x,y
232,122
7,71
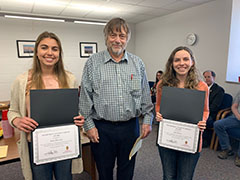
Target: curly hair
x,y
169,76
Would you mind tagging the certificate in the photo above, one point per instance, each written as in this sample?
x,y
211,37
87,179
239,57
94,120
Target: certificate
x,y
55,143
178,135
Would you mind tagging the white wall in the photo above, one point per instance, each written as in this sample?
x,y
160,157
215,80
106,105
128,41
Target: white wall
x,y
155,39
70,35
152,40
233,73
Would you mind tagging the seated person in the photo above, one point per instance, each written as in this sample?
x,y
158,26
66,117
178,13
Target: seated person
x,y
224,126
153,89
216,94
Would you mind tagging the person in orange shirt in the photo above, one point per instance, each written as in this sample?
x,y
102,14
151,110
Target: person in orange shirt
x,y
181,72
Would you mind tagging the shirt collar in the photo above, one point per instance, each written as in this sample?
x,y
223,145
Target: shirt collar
x,y
209,87
108,57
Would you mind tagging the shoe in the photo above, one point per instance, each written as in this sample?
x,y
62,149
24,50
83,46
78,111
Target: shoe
x,y
237,161
225,153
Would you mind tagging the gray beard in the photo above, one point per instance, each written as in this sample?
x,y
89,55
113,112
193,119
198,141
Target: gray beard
x,y
117,53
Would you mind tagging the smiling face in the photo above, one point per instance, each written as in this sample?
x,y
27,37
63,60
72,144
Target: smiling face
x,y
48,53
117,42
182,63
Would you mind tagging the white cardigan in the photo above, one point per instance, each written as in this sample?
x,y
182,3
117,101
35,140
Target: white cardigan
x,y
18,109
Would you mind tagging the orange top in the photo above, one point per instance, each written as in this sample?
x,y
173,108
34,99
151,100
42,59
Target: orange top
x,y
202,86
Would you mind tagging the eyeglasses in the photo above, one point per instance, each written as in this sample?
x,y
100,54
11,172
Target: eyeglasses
x,y
121,36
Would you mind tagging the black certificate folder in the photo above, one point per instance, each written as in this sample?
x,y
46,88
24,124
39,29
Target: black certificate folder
x,y
180,104
53,107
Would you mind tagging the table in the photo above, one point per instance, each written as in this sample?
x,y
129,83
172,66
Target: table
x,y
13,156
4,105
89,164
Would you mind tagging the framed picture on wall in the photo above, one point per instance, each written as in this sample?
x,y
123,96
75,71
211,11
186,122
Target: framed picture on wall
x,y
25,48
87,49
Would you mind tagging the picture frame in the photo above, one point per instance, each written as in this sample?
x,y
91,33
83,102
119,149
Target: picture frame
x,y
25,48
87,49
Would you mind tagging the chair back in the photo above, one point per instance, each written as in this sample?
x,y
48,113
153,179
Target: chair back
x,y
227,101
151,83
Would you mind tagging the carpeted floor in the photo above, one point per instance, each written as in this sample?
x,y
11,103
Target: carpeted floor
x,y
209,167
148,165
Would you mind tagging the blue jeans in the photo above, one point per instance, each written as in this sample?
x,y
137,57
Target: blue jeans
x,y
177,165
223,128
60,169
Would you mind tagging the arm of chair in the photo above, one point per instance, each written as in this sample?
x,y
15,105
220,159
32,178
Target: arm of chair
x,y
219,114
226,112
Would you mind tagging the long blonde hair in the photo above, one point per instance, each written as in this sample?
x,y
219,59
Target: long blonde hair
x,y
169,77
59,71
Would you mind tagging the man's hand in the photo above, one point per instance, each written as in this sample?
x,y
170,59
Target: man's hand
x,y
25,124
146,129
93,135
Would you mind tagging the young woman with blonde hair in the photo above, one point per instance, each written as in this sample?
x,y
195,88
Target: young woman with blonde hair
x,y
47,73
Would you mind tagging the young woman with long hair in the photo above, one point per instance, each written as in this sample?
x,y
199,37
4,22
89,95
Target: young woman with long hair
x,y
181,72
47,72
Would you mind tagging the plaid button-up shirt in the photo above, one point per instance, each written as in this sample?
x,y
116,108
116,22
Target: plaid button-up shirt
x,y
114,91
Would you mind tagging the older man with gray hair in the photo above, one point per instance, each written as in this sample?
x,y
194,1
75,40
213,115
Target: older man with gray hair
x,y
114,93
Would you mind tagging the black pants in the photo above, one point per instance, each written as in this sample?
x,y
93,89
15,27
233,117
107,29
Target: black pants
x,y
116,141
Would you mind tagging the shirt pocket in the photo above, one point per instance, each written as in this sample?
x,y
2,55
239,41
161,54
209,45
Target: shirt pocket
x,y
135,85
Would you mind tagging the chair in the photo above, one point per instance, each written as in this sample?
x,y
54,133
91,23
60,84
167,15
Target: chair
x,y
225,110
151,83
